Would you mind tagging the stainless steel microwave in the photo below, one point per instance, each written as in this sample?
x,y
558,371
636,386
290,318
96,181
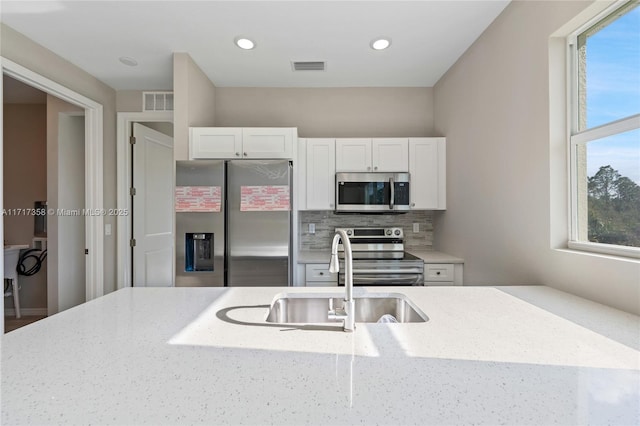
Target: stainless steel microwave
x,y
372,192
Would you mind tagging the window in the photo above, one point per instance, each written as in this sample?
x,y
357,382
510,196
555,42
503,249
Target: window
x,y
605,133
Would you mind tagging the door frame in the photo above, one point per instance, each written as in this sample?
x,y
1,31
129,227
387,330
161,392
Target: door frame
x,y
125,121
94,176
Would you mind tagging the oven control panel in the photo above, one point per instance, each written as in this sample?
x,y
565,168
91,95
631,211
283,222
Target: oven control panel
x,y
373,233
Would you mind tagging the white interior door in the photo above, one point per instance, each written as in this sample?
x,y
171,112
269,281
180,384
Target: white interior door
x,y
71,232
152,208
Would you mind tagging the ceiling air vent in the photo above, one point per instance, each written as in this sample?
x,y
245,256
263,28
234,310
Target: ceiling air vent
x,y
308,65
157,101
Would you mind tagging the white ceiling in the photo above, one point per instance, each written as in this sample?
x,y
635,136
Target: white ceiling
x,y
427,38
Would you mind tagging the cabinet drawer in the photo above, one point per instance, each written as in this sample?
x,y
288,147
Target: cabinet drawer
x,y
438,272
319,272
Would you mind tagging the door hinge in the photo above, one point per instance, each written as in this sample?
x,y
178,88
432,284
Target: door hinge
x,y
132,242
132,191
132,140
86,251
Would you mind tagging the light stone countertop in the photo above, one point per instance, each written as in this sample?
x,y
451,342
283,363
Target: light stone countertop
x,y
429,256
488,355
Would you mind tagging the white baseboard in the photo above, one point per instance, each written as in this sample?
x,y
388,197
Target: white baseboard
x,y
11,312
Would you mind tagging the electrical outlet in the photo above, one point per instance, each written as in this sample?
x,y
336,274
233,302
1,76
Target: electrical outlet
x,y
107,229
312,228
416,227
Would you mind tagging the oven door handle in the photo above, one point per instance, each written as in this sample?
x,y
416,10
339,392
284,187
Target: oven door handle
x,y
393,192
387,271
409,278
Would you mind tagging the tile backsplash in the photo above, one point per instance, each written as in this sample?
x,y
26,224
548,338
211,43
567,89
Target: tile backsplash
x,y
326,222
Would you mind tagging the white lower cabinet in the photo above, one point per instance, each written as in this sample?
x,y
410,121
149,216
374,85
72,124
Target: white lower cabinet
x,y
442,274
318,275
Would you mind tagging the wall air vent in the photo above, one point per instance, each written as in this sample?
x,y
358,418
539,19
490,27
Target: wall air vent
x,y
308,65
157,101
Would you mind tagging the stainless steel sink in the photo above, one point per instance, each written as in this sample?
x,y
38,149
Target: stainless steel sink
x,y
304,308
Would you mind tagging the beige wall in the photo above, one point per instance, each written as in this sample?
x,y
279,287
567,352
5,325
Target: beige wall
x,y
25,181
129,101
325,112
493,106
18,48
194,102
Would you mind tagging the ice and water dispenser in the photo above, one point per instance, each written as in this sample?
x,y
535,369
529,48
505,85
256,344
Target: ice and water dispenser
x,y
198,251
199,223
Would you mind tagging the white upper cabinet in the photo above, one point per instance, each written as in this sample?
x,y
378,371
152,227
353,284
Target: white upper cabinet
x,y
390,154
372,155
267,142
234,142
353,155
215,142
427,169
317,162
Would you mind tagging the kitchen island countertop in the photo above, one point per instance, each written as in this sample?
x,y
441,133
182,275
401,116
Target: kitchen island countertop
x,y
487,355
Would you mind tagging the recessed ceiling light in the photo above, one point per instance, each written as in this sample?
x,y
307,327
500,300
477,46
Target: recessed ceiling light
x,y
380,43
244,43
130,62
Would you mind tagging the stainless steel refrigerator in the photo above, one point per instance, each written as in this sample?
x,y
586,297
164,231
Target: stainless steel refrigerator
x,y
233,223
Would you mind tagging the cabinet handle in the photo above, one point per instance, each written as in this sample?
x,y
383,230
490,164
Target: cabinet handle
x,y
368,167
244,153
321,273
237,154
331,205
375,168
438,273
413,204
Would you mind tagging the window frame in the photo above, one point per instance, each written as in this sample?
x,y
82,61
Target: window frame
x,y
578,140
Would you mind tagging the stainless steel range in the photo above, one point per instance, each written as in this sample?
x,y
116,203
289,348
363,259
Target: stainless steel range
x,y
379,258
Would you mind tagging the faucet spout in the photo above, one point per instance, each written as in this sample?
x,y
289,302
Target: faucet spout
x,y
348,311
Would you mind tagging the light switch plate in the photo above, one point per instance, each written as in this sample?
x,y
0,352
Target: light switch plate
x,y
312,228
416,227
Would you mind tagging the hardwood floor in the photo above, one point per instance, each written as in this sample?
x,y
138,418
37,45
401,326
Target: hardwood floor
x,y
13,323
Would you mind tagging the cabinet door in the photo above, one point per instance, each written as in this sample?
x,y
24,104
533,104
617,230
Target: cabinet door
x,y
318,275
390,154
215,142
353,155
320,174
427,170
267,142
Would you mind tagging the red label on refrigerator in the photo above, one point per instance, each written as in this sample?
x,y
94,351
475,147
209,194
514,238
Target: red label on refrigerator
x,y
264,198
198,199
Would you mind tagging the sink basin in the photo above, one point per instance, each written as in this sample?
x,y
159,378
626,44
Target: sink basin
x,y
305,308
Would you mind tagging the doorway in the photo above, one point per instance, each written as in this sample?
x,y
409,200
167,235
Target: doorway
x,y
158,137
93,170
43,155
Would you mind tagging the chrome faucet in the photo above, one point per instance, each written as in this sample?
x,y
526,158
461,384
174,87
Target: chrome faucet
x,y
347,313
